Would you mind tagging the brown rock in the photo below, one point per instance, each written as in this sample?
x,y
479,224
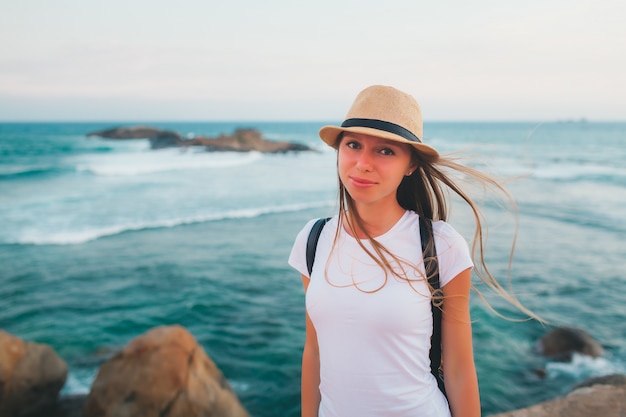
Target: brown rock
x,y
246,140
66,406
562,342
31,376
163,372
134,132
599,400
613,379
167,139
243,140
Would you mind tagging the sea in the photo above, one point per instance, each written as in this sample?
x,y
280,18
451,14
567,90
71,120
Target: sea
x,y
102,240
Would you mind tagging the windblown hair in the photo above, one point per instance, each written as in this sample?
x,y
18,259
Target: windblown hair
x,y
426,192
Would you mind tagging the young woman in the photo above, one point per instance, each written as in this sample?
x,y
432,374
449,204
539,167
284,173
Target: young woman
x,y
369,321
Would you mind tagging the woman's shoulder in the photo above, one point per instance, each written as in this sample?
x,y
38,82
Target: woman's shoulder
x,y
439,226
297,258
442,230
306,230
447,238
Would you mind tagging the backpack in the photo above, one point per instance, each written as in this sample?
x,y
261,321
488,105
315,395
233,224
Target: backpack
x,y
429,253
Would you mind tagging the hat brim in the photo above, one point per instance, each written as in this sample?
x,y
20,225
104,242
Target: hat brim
x,y
329,135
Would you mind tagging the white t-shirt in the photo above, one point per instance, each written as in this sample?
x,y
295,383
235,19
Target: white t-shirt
x,y
374,346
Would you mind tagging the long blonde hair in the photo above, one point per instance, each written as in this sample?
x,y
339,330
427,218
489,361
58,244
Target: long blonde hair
x,y
426,192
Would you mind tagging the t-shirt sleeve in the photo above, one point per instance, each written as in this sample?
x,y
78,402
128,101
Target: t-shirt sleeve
x,y
453,253
297,258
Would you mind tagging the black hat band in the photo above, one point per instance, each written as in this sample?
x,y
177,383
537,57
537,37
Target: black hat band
x,y
382,125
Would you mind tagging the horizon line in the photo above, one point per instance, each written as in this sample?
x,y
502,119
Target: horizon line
x,y
323,121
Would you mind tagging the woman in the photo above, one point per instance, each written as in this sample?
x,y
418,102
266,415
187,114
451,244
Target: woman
x,y
368,303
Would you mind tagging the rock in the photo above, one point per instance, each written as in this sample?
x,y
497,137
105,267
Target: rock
x,y
562,342
599,400
243,140
66,406
246,140
31,376
136,132
540,372
614,379
167,139
69,406
163,372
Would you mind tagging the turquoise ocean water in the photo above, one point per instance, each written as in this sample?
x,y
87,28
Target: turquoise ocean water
x,y
102,240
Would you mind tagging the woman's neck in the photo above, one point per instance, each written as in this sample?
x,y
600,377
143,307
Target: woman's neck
x,y
376,219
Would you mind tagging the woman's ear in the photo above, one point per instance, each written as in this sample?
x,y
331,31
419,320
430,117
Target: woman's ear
x,y
412,167
414,163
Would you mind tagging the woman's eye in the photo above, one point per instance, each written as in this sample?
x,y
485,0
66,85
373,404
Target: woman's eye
x,y
352,145
386,151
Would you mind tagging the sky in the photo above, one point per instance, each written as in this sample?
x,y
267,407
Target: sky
x,y
209,60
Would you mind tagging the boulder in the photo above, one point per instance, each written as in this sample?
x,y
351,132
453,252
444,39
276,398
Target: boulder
x,y
31,376
66,406
134,132
167,139
69,406
561,343
246,140
598,400
163,372
613,379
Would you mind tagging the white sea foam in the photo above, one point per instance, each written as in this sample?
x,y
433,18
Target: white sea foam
x,y
79,381
72,237
560,171
240,386
582,367
142,163
576,171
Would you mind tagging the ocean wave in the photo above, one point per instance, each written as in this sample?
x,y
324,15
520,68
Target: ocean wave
x,y
560,171
8,173
133,164
75,237
79,381
573,172
583,218
583,367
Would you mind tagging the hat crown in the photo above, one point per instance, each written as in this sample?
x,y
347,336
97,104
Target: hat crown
x,y
383,112
389,105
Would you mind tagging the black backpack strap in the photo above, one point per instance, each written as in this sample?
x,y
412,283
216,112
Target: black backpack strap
x,y
432,272
311,244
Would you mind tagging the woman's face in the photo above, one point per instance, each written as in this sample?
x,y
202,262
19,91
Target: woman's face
x,y
372,168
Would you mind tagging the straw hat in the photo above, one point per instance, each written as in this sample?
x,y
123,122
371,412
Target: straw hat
x,y
384,112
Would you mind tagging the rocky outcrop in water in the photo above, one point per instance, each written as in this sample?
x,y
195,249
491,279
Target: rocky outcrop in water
x,y
612,379
134,132
601,396
163,372
561,343
242,140
246,140
31,376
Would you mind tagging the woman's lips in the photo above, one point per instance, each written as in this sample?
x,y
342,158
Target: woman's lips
x,y
361,182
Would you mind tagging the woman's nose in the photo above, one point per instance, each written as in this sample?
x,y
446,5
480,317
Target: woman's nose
x,y
364,162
